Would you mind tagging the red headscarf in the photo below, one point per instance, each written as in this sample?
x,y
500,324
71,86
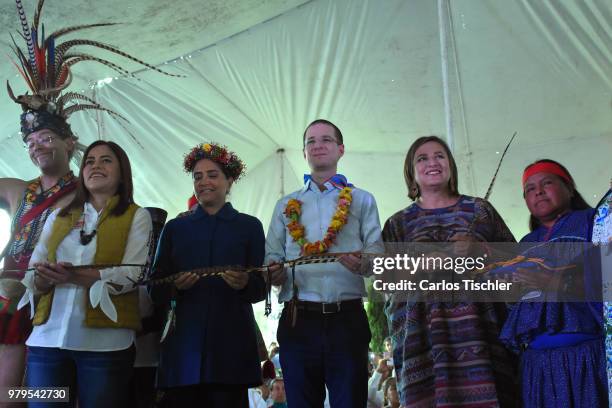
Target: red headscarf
x,y
546,167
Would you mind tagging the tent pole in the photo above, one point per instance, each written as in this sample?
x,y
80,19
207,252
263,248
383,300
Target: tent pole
x,y
281,156
448,114
453,104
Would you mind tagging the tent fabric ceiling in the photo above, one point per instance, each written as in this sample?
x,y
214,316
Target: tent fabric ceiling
x,y
256,74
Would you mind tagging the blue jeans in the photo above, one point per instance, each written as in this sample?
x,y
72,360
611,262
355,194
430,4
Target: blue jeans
x,y
96,378
325,350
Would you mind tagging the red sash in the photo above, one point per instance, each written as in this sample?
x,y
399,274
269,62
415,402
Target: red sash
x,y
24,258
48,202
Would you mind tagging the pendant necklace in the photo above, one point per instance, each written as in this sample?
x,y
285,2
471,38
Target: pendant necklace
x,y
86,238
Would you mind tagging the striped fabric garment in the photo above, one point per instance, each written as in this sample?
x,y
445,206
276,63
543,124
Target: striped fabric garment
x,y
15,325
602,233
448,354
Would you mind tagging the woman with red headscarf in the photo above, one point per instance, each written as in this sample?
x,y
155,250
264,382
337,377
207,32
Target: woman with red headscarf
x,y
561,343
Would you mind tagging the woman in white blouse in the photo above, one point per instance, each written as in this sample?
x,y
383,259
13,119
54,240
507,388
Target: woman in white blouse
x,y
85,320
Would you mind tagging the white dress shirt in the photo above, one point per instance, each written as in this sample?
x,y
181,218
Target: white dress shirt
x,y
65,327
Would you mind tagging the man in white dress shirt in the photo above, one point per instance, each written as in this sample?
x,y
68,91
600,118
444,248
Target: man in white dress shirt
x,y
323,331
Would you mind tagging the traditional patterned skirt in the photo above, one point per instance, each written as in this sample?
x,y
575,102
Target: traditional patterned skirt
x,y
571,376
15,325
448,354
608,331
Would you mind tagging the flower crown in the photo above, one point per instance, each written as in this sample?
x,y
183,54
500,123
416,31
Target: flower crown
x,y
232,165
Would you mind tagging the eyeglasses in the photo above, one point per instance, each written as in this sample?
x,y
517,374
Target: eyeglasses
x,y
38,140
309,143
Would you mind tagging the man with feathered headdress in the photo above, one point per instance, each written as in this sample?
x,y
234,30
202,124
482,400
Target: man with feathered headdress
x,y
50,143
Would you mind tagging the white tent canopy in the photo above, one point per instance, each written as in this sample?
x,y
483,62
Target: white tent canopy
x,y
386,72
376,69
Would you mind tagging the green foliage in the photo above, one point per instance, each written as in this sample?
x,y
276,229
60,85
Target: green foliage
x,y
377,319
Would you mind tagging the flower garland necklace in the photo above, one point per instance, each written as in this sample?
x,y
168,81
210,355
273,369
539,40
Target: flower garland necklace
x,y
293,210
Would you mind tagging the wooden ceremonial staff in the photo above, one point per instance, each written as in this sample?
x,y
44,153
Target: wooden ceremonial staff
x,y
18,273
202,272
219,270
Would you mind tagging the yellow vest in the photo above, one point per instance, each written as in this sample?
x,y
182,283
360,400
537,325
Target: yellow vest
x,y
112,234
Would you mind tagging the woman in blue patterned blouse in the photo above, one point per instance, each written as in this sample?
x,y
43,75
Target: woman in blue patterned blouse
x,y
560,344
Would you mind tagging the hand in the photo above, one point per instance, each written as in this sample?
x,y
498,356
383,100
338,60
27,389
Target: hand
x,y
51,274
383,367
462,244
352,262
277,274
186,280
236,280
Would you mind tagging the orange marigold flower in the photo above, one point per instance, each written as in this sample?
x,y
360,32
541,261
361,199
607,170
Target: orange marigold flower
x,y
294,225
293,211
336,224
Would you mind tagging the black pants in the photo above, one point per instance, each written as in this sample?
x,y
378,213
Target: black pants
x,y
207,396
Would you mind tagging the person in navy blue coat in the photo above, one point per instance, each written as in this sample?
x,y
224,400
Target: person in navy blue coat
x,y
209,358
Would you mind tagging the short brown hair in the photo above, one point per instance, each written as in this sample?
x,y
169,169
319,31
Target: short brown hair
x,y
337,131
125,189
409,174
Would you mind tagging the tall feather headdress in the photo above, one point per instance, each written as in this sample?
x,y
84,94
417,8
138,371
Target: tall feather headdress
x,y
45,66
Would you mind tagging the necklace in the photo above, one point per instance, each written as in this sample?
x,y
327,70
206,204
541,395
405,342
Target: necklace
x,y
293,210
86,238
32,194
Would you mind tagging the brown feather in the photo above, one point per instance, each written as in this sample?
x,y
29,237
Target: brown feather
x,y
501,160
67,30
52,92
129,132
28,72
64,47
71,96
72,59
37,14
27,37
80,107
24,75
490,189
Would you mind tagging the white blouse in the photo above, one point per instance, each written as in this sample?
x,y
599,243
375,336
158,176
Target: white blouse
x,y
65,327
